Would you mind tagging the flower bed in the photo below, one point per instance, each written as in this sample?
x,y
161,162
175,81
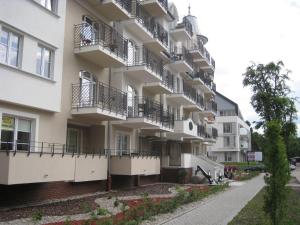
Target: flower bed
x,y
134,211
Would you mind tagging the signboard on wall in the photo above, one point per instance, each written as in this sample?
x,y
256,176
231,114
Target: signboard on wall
x,y
254,156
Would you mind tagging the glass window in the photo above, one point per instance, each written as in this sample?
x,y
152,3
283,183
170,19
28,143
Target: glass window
x,y
49,4
43,61
9,48
15,130
227,128
123,143
226,141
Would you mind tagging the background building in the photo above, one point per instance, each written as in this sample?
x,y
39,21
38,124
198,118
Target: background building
x,y
234,138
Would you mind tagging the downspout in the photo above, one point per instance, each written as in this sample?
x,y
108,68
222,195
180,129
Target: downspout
x,y
108,142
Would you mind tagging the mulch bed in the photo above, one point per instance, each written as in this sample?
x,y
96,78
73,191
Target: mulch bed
x,y
78,206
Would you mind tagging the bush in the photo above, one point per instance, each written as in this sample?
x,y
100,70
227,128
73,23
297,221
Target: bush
x,y
37,216
102,211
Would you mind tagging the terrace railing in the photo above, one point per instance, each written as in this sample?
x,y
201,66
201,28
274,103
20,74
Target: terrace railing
x,y
142,56
186,24
201,131
211,106
135,152
100,33
168,79
182,53
100,95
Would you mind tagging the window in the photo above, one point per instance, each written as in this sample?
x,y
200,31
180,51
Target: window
x,y
228,157
9,48
123,143
15,133
227,128
49,4
227,141
44,61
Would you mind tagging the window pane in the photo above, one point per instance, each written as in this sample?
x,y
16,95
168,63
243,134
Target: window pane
x,y
8,123
46,63
7,139
39,61
3,46
24,125
23,141
13,57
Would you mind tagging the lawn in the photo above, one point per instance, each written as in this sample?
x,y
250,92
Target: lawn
x,y
253,214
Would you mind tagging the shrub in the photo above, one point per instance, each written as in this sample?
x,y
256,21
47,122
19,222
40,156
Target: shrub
x,y
116,202
102,211
37,216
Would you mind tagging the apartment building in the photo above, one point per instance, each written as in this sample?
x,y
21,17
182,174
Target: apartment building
x,y
234,140
95,93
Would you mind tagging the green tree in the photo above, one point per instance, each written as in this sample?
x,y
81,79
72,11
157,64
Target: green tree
x,y
278,167
271,96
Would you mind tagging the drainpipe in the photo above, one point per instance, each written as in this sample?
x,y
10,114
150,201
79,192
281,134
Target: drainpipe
x,y
108,188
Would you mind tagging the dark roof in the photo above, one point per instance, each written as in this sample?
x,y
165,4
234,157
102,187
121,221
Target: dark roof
x,y
229,100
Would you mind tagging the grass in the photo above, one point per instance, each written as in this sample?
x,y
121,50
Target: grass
x,y
253,213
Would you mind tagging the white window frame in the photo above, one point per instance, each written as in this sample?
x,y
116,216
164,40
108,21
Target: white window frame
x,y
55,5
231,128
122,133
27,116
7,59
51,61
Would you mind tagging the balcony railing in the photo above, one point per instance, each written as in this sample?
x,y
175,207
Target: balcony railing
x,y
192,94
151,25
144,107
33,147
135,152
142,56
201,131
125,4
100,33
182,54
211,106
168,79
164,3
100,95
186,24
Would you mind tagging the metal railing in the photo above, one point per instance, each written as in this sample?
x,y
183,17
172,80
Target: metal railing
x,y
33,147
144,107
150,23
100,95
211,106
135,152
189,91
168,79
186,24
125,4
201,131
100,33
182,53
167,119
142,56
164,4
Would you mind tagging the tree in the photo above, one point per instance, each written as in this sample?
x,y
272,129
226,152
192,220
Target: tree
x,y
278,167
270,99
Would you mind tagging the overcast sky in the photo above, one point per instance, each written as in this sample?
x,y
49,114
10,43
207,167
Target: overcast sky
x,y
243,31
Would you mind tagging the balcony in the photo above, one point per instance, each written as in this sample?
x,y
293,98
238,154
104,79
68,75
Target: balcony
x,y
101,44
151,33
157,8
182,60
165,86
48,162
114,10
244,132
183,31
211,109
144,65
201,131
132,162
184,129
211,135
203,59
98,101
147,114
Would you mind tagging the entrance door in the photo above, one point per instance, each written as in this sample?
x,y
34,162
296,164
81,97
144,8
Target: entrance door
x,y
73,140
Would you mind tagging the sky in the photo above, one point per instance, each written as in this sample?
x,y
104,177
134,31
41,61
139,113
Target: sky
x,y
244,31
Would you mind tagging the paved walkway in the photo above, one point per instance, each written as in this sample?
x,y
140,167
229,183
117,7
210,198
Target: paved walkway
x,y
218,210
296,173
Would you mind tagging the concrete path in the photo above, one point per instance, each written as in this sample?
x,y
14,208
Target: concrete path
x,y
296,173
217,210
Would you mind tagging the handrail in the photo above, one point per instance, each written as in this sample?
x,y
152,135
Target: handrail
x,y
100,95
141,55
182,53
134,152
100,33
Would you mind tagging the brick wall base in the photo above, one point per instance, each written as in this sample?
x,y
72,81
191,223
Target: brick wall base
x,y
35,193
127,182
172,175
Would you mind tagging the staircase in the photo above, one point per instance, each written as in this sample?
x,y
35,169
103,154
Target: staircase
x,y
208,165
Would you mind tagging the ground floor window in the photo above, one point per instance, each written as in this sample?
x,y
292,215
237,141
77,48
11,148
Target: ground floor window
x,y
122,143
73,140
228,157
16,133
